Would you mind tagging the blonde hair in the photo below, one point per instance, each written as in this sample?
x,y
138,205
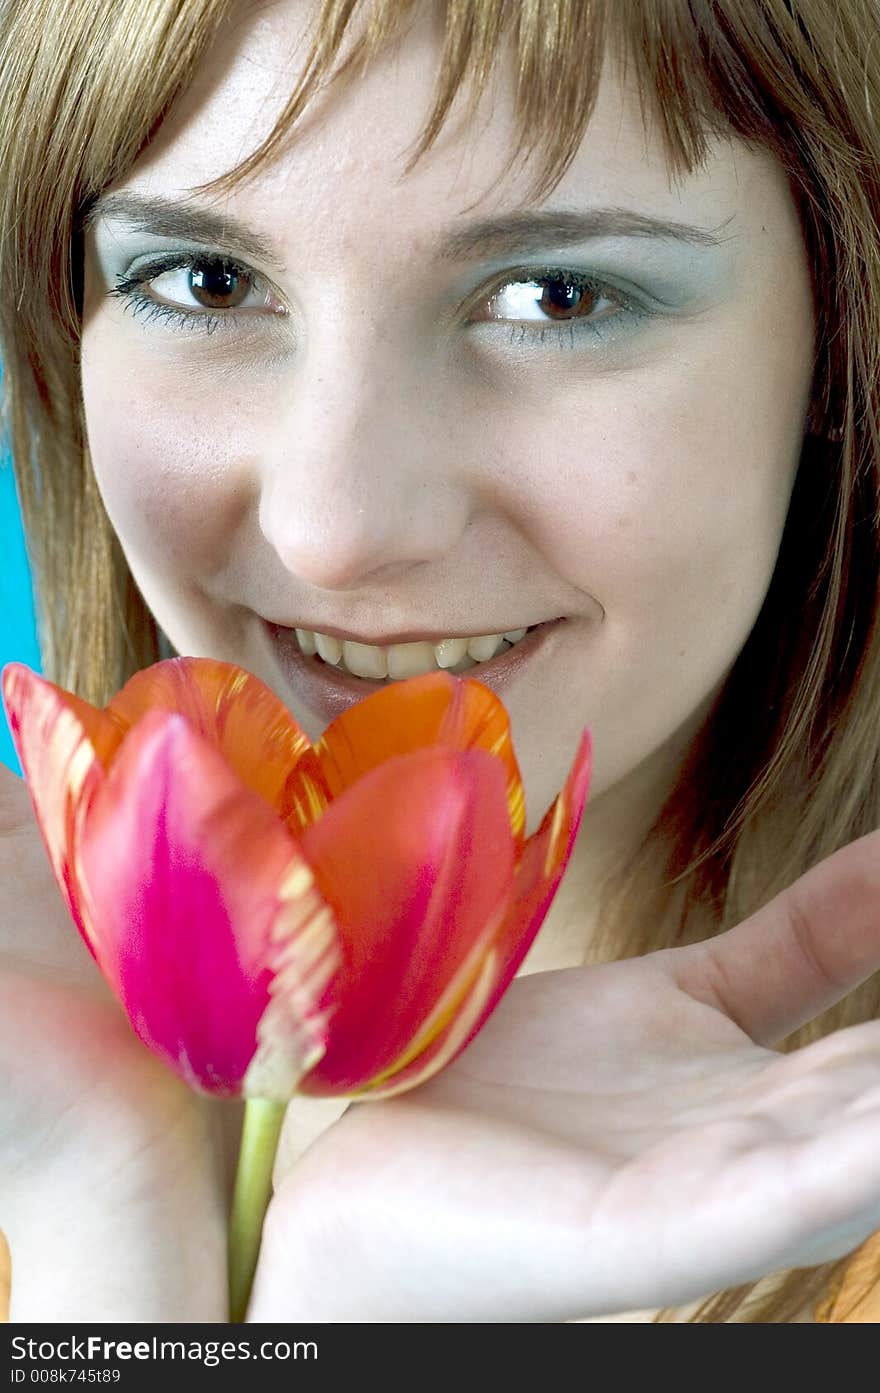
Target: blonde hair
x,y
787,766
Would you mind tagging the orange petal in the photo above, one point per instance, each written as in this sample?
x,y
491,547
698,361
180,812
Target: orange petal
x,y
242,718
416,861
434,709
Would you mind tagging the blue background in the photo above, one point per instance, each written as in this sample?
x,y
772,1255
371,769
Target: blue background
x,y
18,635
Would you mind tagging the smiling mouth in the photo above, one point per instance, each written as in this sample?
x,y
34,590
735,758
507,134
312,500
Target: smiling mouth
x,y
328,688
381,664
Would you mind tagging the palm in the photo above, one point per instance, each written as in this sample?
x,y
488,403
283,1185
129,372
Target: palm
x,y
617,1137
685,1133
103,1151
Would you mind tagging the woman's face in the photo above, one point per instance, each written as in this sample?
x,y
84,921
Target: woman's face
x,y
392,432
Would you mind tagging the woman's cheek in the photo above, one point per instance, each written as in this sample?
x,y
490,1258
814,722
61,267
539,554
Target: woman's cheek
x,y
648,522
639,529
173,467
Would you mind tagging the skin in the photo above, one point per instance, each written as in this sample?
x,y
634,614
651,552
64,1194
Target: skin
x,y
378,456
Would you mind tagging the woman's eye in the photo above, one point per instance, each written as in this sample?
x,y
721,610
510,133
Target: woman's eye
x,y
203,293
557,305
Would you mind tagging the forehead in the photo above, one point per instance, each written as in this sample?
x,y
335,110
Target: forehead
x,y
343,168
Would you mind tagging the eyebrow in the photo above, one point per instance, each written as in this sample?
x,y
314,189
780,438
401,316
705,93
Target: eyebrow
x,y
165,217
521,234
514,234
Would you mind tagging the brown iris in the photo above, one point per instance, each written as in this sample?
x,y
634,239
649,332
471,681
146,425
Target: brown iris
x,y
218,285
560,297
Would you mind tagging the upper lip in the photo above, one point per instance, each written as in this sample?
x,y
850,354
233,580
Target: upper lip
x,y
409,636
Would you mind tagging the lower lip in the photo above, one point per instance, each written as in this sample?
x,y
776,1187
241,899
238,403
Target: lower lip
x,y
328,692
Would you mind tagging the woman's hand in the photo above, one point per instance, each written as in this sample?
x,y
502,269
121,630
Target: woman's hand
x,y
113,1182
617,1138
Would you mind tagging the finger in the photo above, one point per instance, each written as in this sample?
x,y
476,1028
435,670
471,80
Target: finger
x,y
799,954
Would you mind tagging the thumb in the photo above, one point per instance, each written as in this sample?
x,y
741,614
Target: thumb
x,y
809,947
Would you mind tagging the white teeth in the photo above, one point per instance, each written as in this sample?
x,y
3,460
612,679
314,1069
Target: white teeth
x,y
364,660
450,651
483,648
330,649
402,660
410,659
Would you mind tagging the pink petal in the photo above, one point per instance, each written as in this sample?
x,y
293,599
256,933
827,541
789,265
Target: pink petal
x,y
182,870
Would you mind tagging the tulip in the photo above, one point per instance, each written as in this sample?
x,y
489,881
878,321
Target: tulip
x,y
276,916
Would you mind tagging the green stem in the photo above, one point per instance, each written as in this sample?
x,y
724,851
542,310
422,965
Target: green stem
x,y
253,1190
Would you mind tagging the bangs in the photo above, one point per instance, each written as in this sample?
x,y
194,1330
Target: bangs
x,y
558,49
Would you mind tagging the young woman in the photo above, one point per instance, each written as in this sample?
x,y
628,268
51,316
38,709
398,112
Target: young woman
x,y
564,319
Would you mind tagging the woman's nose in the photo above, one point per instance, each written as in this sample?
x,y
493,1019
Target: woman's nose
x,y
362,483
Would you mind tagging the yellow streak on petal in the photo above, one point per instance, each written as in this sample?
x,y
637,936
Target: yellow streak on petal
x,y
81,761
317,799
516,804
516,801
449,1004
469,1014
299,881
304,799
560,820
306,955
474,711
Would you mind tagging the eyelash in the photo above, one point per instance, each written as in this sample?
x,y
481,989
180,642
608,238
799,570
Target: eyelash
x,y
129,290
